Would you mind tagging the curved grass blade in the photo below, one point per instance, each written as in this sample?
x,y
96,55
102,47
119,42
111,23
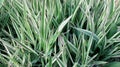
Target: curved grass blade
x,y
88,33
60,28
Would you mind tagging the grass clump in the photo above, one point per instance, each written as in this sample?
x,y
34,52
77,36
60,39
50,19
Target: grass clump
x,y
59,33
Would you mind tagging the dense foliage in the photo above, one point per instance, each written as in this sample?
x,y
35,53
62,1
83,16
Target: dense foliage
x,y
59,33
